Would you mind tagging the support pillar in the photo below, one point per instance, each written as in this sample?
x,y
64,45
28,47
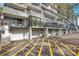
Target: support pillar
x,y
30,33
70,31
46,32
53,33
60,31
66,31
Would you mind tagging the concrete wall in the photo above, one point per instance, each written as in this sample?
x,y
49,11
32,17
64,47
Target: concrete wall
x,y
5,35
50,32
14,34
19,34
37,33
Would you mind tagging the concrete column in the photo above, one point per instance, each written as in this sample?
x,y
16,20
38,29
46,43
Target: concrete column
x,y
60,31
70,31
25,23
53,32
30,33
46,32
66,31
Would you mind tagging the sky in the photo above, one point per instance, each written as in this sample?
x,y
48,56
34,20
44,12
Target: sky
x,y
75,10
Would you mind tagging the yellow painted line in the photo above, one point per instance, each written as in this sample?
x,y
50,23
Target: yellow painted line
x,y
9,46
32,48
77,48
41,47
68,49
0,48
78,52
50,48
60,50
12,49
22,48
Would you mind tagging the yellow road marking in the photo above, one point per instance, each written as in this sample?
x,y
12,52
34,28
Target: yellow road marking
x,y
11,49
78,52
22,48
32,48
9,46
50,48
68,49
41,47
60,49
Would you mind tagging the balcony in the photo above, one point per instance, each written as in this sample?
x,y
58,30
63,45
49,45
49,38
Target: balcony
x,y
49,9
52,23
35,22
34,6
14,23
49,13
48,22
19,6
36,14
14,12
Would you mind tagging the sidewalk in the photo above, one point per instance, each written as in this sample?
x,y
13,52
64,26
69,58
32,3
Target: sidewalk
x,y
2,44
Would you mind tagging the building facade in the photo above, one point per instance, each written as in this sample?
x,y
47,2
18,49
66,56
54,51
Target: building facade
x,y
33,20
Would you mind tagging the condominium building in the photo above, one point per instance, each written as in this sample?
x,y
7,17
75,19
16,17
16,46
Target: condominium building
x,y
33,20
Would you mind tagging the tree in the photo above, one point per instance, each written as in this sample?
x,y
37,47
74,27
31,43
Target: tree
x,y
1,13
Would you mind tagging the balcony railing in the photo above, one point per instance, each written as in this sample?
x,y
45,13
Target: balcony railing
x,y
48,22
20,4
34,22
36,14
34,6
15,12
13,23
49,13
52,23
51,10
